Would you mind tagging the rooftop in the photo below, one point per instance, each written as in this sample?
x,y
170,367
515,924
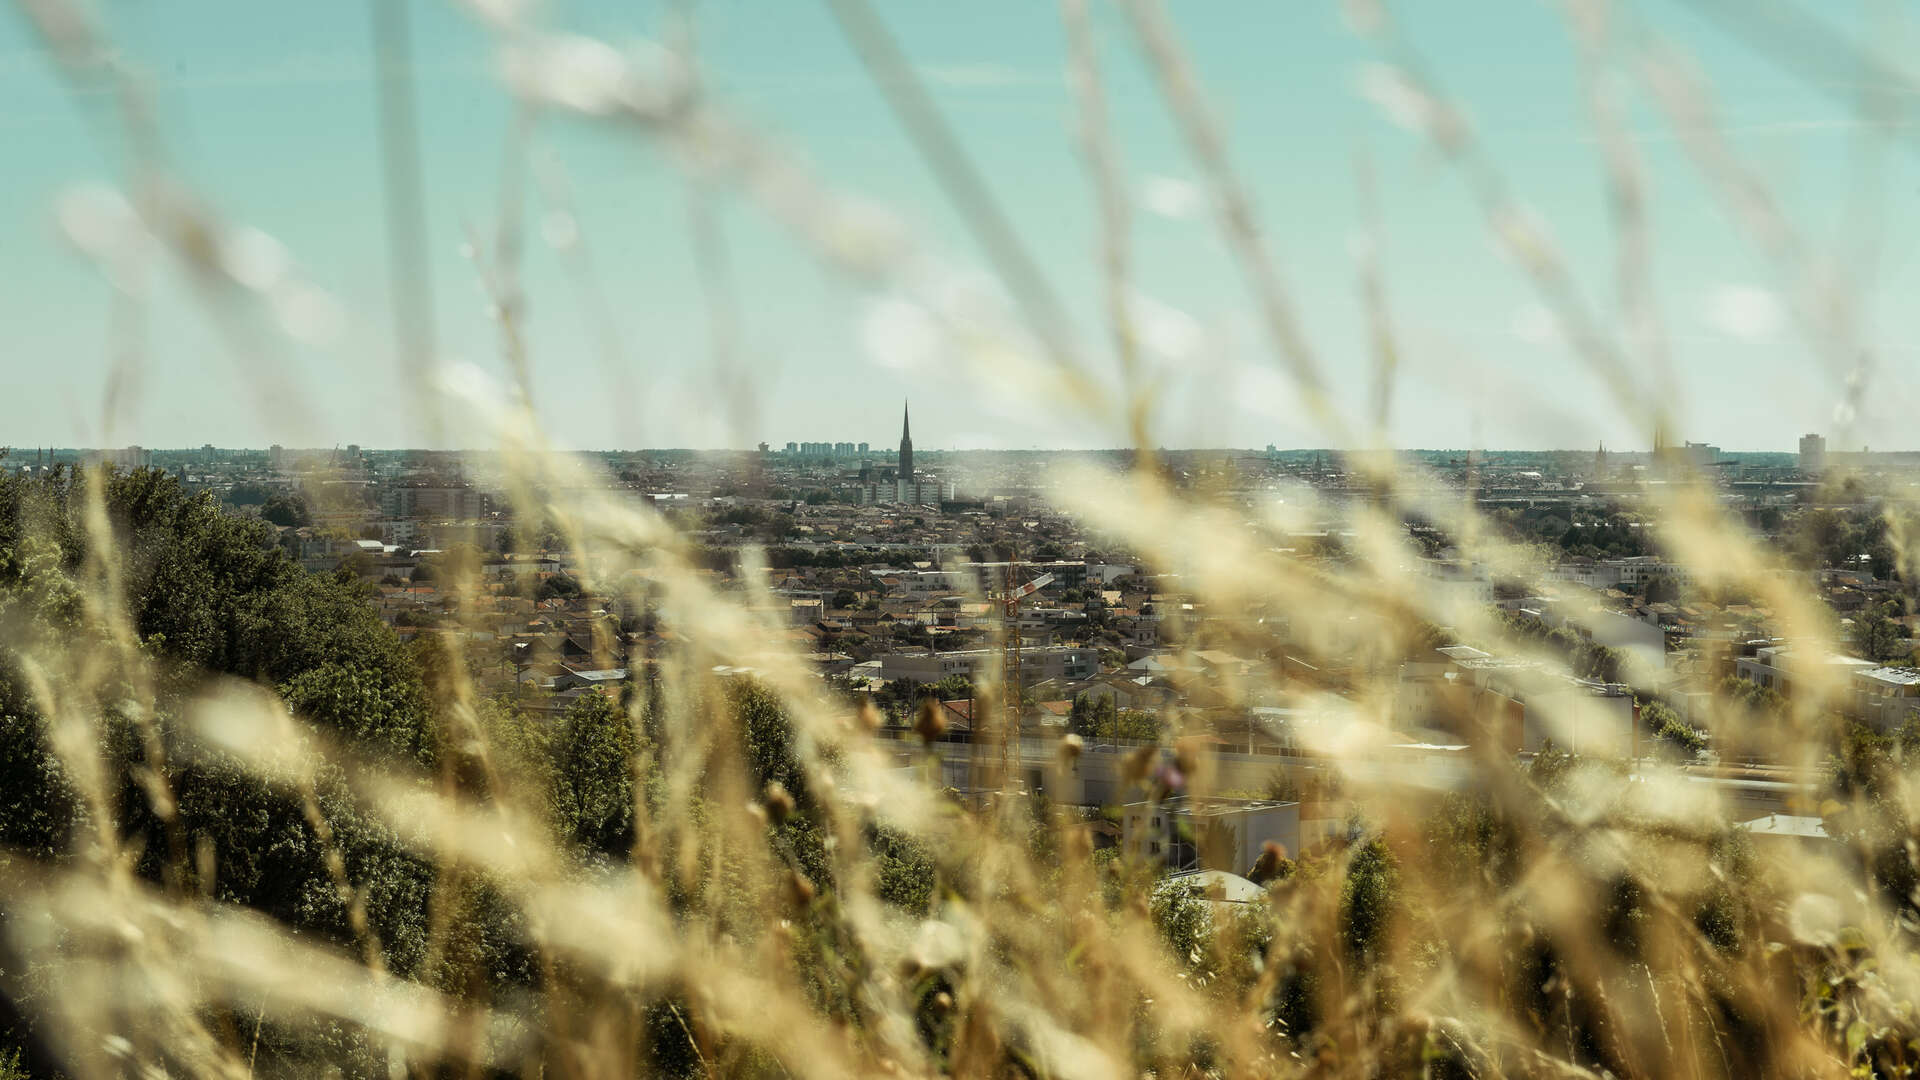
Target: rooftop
x,y
1222,887
1209,806
1811,828
601,675
1898,676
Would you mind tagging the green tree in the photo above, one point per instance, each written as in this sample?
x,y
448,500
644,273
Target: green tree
x,y
1136,724
1100,719
1551,767
1470,838
903,870
557,585
949,688
1369,899
1750,695
282,508
1184,918
248,494
594,771
208,594
1660,590
1877,637
1670,730
770,751
1091,718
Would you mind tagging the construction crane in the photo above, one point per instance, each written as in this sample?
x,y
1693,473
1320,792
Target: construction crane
x,y
1010,690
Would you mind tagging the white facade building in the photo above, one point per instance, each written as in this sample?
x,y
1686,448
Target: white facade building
x,y
1214,834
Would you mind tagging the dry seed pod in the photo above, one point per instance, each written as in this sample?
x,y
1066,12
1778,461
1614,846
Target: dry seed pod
x,y
800,890
1079,842
1070,747
1267,866
1186,756
778,801
929,725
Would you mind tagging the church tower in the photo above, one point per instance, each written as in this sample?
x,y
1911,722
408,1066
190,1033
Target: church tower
x,y
906,445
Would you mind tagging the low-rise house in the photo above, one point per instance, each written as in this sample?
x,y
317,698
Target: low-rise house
x,y
1126,691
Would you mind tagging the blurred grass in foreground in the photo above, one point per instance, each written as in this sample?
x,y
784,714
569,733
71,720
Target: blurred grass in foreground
x,y
249,832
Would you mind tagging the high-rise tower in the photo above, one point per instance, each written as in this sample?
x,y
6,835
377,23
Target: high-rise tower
x,y
906,445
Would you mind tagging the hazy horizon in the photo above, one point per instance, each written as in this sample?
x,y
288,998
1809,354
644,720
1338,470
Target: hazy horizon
x,y
889,449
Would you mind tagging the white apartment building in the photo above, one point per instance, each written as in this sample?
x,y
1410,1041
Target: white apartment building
x,y
1632,570
1885,696
1050,662
1215,834
1779,667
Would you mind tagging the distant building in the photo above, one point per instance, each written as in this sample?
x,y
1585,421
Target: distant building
x,y
1455,591
1644,643
1699,453
1630,570
1885,697
826,451
1813,452
1789,833
1696,455
1036,665
806,610
906,442
1779,667
442,502
1214,834
132,457
572,678
1513,705
907,486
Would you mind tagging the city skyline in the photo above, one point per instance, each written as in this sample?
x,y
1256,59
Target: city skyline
x,y
880,449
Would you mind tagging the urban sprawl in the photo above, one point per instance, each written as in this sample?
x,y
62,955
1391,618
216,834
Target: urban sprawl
x,y
921,586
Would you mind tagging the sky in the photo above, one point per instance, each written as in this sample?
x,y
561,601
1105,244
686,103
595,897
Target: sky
x,y
269,114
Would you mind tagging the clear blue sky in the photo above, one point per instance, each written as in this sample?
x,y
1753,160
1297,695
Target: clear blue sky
x,y
270,109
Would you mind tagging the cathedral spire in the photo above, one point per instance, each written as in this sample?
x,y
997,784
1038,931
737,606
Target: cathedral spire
x,y
906,444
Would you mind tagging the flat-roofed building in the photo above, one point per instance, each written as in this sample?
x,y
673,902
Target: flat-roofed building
x,y
1780,667
1050,662
1885,697
1208,834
